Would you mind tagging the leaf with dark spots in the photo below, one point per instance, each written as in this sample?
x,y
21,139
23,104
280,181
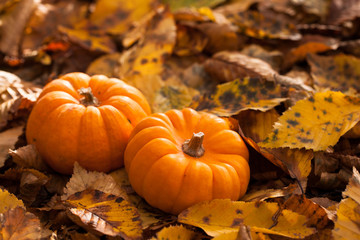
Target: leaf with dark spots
x,y
312,130
239,95
106,215
227,216
339,72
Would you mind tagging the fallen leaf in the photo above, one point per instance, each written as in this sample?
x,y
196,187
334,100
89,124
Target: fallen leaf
x,y
9,201
8,139
149,215
264,25
257,125
317,215
189,41
342,11
116,17
352,189
28,157
347,221
149,55
175,5
107,65
273,57
13,26
339,72
263,194
31,182
296,161
16,223
315,123
92,41
104,213
239,95
82,179
223,216
175,232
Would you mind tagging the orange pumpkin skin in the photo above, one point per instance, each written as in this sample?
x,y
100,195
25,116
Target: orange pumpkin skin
x,y
65,131
171,180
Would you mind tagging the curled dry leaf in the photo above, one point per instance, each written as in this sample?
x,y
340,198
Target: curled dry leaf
x,y
28,157
8,139
296,161
104,213
233,97
83,179
263,194
175,232
315,123
317,216
275,58
353,188
222,216
16,223
189,41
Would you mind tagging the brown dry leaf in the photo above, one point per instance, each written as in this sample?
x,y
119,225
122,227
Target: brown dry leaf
x,y
9,201
13,25
342,11
28,157
175,232
273,57
189,41
317,216
16,223
257,125
353,188
15,96
339,72
8,139
83,179
296,161
239,95
104,213
107,65
226,66
263,194
315,123
223,216
264,25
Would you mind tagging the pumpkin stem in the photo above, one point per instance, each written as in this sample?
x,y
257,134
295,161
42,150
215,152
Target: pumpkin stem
x,y
89,99
193,147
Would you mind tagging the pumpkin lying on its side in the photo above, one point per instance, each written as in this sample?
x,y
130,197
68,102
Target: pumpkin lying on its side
x,y
85,119
172,172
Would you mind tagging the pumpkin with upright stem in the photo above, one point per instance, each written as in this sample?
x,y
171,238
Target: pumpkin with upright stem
x,y
179,158
85,119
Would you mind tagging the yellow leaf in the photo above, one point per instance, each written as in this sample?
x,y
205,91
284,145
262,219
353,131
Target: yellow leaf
x,y
16,223
116,16
239,95
149,55
348,220
83,179
353,188
315,123
175,232
257,125
104,213
223,216
106,65
9,201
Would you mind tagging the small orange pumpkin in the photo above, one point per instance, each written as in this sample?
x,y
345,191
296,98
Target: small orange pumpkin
x,y
180,158
85,119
